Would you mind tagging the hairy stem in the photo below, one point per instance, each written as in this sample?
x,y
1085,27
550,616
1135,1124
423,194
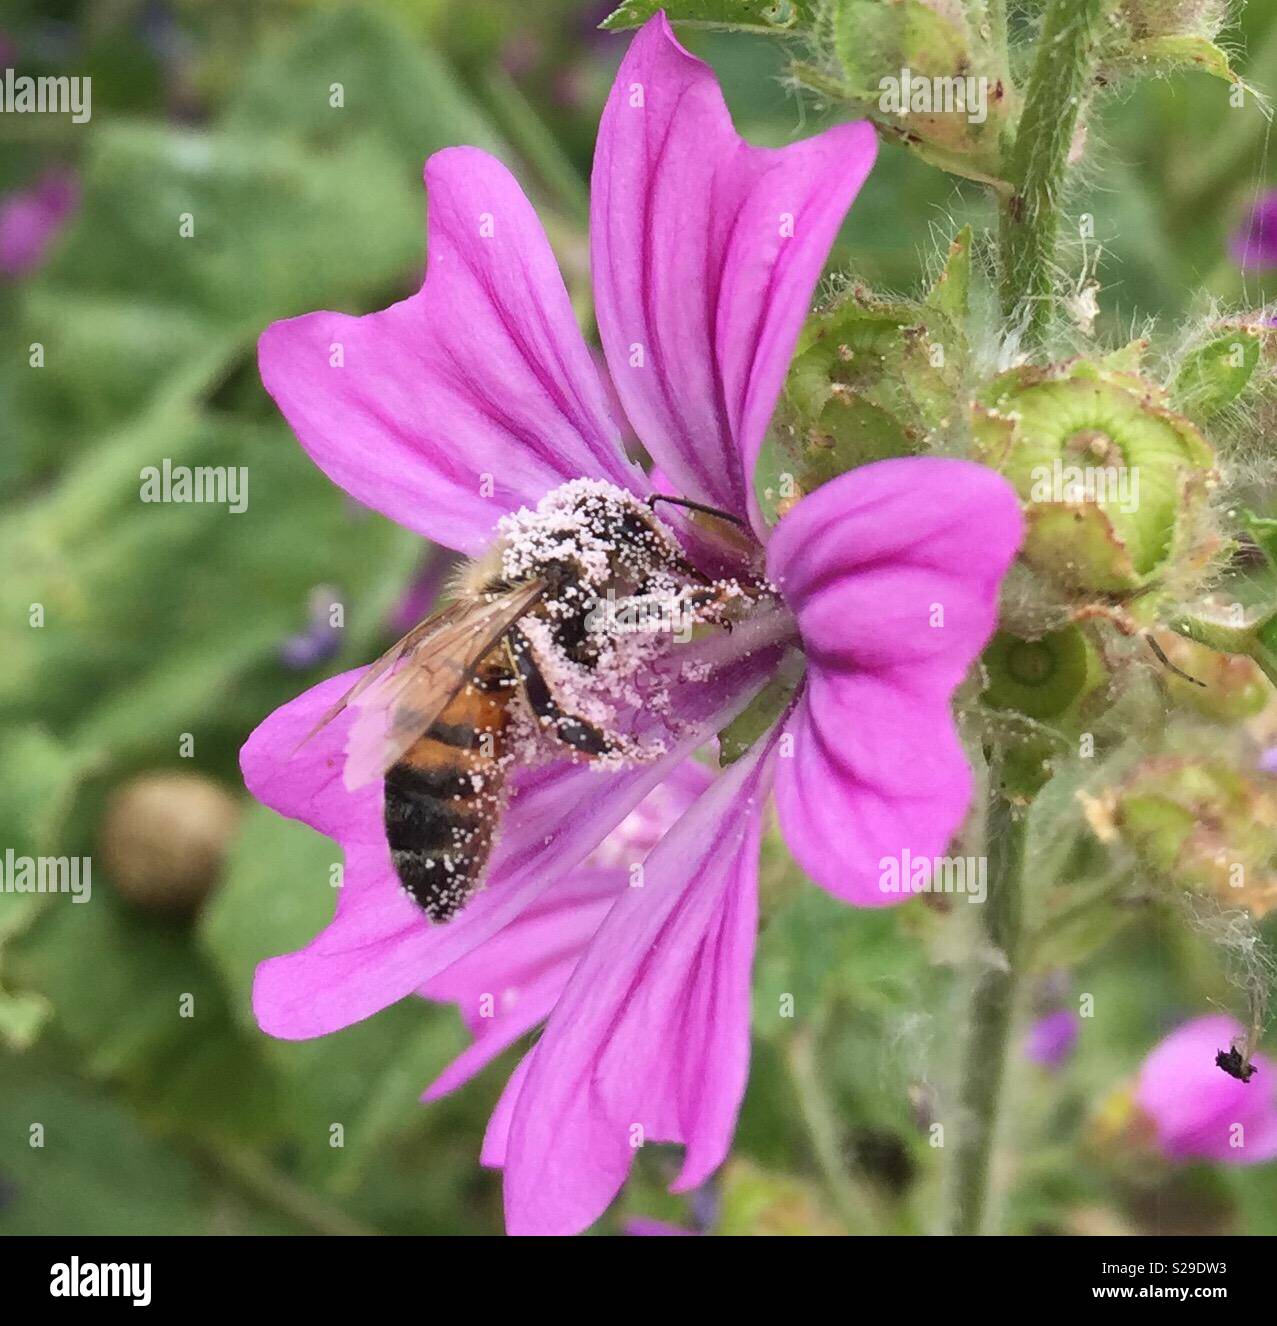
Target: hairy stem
x,y
857,1207
990,1018
1061,80
261,1181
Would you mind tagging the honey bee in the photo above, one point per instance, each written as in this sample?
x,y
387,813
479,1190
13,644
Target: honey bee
x,y
434,714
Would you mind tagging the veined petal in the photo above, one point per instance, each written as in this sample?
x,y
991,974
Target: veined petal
x,y
507,986
705,252
650,1040
892,571
471,398
853,816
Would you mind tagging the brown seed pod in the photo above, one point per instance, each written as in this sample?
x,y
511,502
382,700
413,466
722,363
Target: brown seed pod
x,y
164,836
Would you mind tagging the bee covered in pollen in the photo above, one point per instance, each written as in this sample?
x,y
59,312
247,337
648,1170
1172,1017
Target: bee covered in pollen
x,y
543,651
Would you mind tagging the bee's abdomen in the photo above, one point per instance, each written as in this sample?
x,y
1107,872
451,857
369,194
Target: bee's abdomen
x,y
442,801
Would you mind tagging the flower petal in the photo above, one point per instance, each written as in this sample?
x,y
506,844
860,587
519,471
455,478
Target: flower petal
x,y
895,568
893,573
705,252
472,397
507,986
650,1040
1195,1106
848,816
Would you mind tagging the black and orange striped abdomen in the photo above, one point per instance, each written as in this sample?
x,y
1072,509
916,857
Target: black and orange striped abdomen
x,y
443,797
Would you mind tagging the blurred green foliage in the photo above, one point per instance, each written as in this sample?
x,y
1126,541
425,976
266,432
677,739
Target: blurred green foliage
x,y
160,621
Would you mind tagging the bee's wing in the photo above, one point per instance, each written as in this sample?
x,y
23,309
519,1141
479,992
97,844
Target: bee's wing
x,y
403,693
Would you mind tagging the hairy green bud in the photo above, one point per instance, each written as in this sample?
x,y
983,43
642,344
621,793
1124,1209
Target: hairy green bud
x,y
1114,483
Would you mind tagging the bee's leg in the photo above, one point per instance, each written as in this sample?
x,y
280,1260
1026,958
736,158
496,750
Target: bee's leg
x,y
569,729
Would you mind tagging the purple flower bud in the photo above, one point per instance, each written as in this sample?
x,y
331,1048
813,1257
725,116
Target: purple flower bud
x,y
645,1228
1199,1111
1051,1038
1254,243
31,219
419,599
319,639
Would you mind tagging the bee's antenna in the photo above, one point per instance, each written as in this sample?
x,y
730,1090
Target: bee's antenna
x,y
1166,663
695,506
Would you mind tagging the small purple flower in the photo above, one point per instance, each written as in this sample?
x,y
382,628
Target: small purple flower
x,y
477,398
1268,761
1254,243
1051,1038
319,640
1198,1110
645,1227
32,219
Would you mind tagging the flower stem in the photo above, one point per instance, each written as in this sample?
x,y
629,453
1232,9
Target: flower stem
x,y
990,1018
858,1208
1063,74
261,1181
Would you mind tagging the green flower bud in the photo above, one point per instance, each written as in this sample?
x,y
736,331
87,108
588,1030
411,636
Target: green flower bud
x,y
1233,686
1164,18
924,71
1154,37
873,378
1201,824
1048,680
1113,482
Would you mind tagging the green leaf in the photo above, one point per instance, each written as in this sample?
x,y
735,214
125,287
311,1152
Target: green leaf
x,y
146,1011
1176,52
273,229
391,89
951,293
33,808
773,17
1217,373
97,1172
1263,529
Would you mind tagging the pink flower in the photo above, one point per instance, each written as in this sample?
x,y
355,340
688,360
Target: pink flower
x,y
477,397
1199,1111
32,219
